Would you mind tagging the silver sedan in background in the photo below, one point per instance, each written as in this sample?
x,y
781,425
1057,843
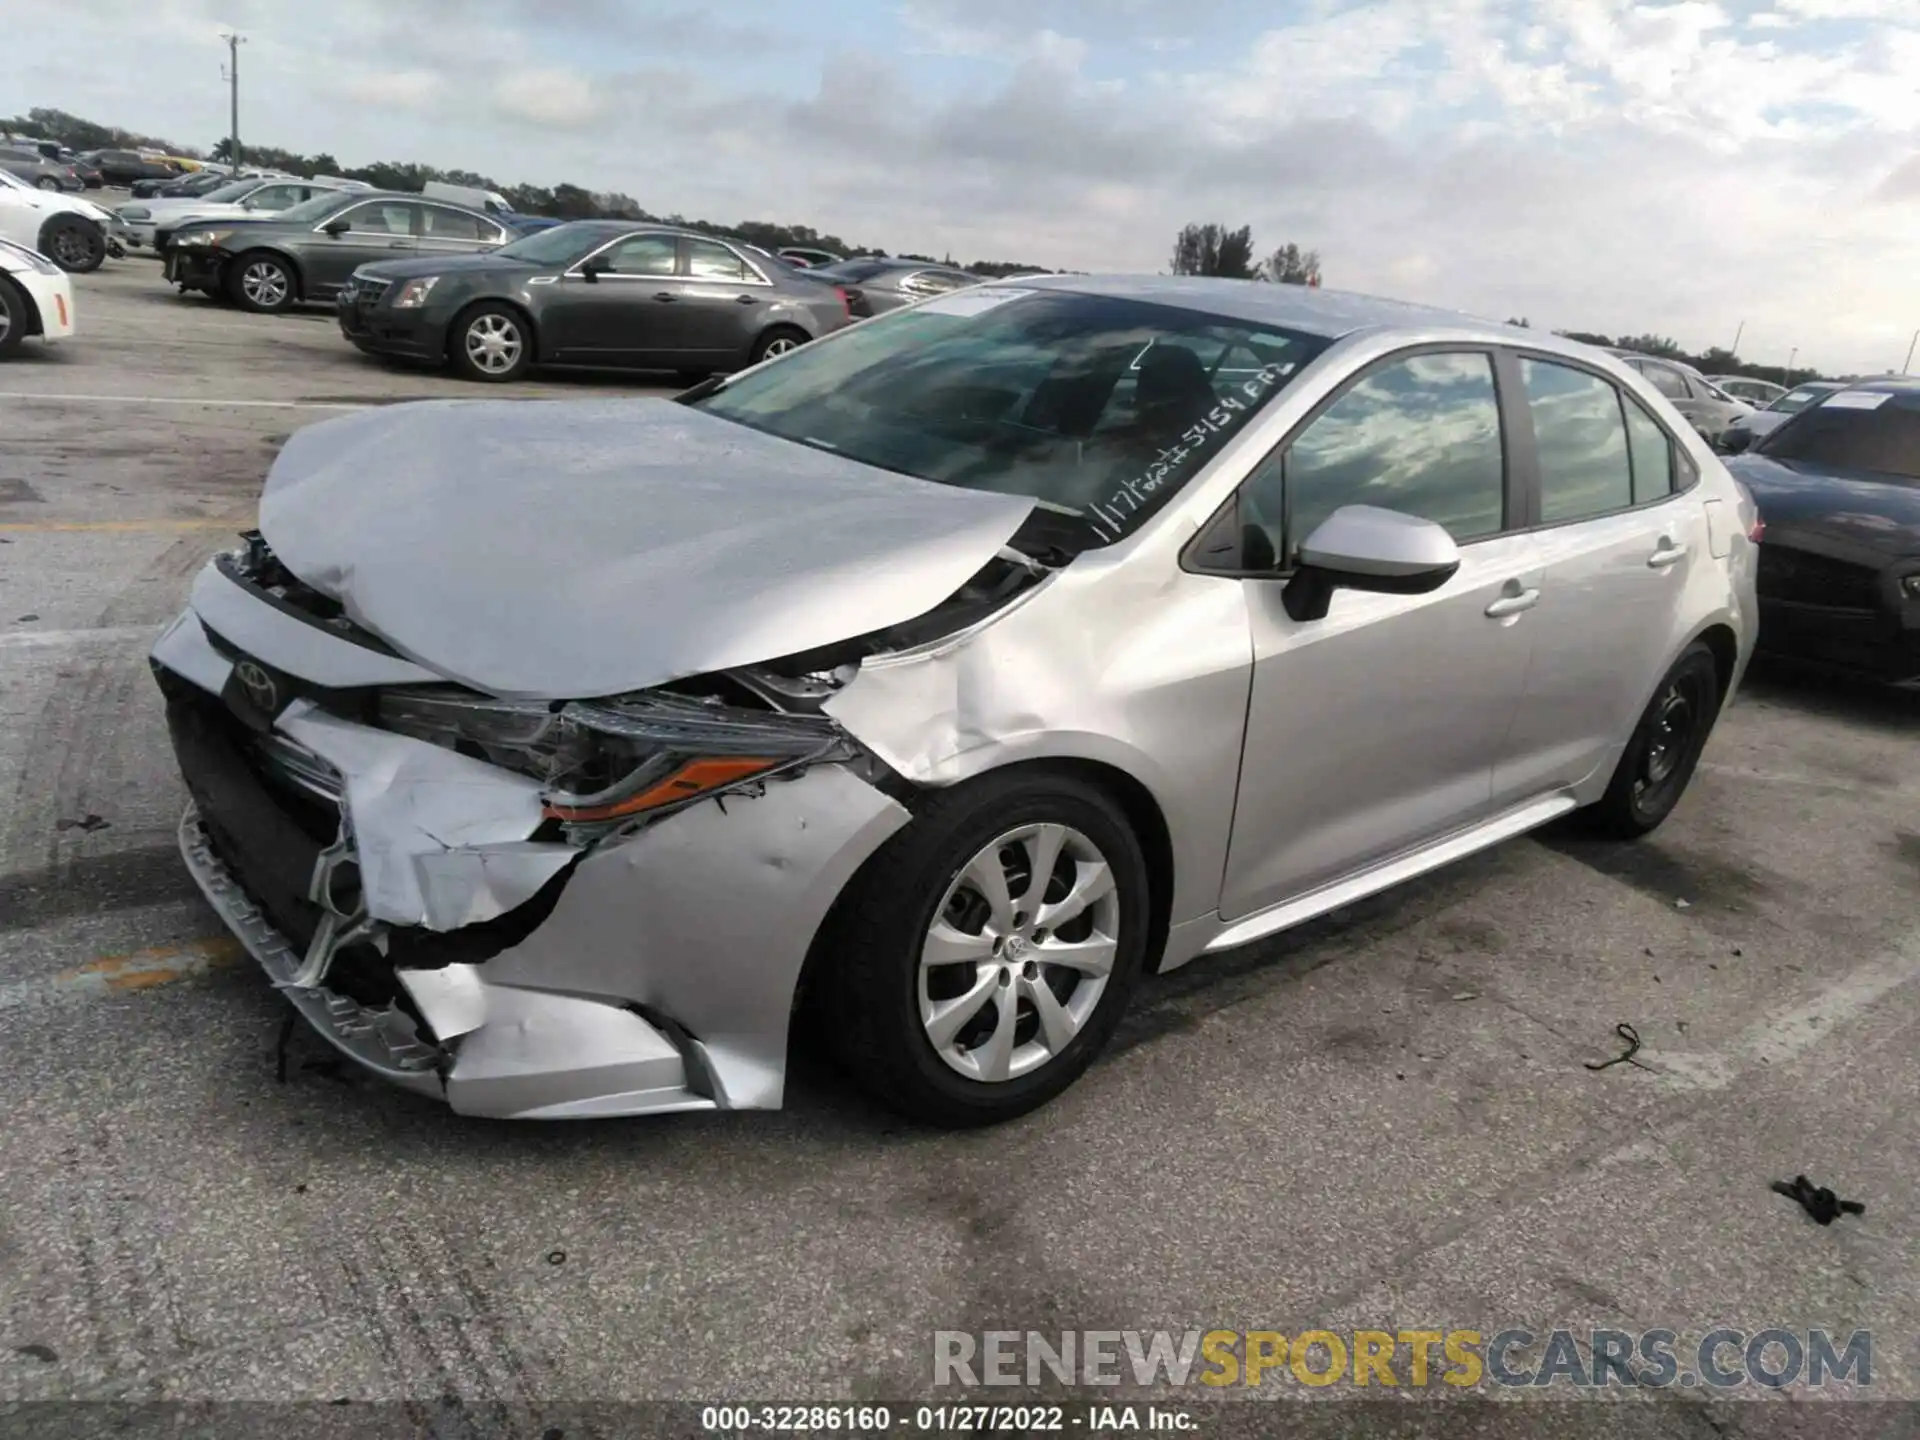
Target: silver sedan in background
x,y
1748,428
925,687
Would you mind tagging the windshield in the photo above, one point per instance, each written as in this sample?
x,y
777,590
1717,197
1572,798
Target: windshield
x,y
1794,401
1876,430
1098,407
232,191
856,270
318,208
556,245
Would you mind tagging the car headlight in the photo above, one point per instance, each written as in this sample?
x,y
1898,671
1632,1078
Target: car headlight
x,y
414,293
604,763
194,239
1910,586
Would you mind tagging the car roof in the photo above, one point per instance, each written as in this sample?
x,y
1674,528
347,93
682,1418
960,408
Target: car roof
x,y
1306,308
1891,384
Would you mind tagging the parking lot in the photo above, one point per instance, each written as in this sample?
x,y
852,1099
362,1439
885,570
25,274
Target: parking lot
x,y
1385,1120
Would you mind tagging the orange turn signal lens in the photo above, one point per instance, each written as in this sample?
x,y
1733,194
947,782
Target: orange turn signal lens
x,y
60,304
691,779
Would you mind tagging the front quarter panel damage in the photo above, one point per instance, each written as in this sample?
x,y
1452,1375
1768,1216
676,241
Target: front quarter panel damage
x,y
1139,666
707,917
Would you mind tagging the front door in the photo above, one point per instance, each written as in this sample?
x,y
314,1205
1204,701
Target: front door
x,y
376,230
1616,545
1378,728
627,313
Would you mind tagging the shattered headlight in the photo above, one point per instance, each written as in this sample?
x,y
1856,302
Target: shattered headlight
x,y
193,239
604,762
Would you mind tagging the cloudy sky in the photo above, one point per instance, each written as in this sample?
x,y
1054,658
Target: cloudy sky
x,y
1590,164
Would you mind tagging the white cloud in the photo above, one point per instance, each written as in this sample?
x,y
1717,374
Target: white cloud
x,y
562,99
395,89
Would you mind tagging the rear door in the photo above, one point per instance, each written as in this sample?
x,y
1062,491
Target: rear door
x,y
1618,531
723,305
379,229
446,230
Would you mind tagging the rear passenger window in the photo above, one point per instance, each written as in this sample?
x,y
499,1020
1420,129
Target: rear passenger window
x,y
1652,455
1666,380
708,261
1582,441
1421,436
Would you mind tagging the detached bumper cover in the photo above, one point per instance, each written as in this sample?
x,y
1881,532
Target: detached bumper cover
x,y
461,959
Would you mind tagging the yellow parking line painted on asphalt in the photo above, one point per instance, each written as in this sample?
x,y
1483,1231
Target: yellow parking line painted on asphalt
x,y
125,527
116,974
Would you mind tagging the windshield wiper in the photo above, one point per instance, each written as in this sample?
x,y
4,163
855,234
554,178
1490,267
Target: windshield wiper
x,y
701,391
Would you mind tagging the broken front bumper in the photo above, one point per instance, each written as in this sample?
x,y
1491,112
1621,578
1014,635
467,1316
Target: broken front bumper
x,y
392,890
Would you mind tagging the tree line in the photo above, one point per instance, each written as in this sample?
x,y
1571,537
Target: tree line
x,y
564,201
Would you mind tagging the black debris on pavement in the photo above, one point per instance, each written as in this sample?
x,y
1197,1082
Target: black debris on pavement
x,y
89,823
43,1353
25,619
1818,1201
1632,1036
556,1257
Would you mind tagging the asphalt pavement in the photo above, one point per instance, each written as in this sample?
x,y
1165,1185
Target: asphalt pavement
x,y
1383,1121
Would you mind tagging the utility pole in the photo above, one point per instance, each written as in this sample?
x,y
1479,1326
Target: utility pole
x,y
232,77
1910,344
1792,355
1736,338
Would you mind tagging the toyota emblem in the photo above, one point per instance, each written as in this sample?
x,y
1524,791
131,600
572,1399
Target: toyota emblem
x,y
258,685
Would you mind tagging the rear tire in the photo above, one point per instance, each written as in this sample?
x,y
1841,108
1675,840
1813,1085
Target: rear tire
x,y
491,342
777,341
914,934
261,282
47,182
13,316
1660,758
74,243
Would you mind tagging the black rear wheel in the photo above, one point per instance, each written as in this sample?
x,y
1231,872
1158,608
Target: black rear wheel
x,y
13,316
74,243
1660,758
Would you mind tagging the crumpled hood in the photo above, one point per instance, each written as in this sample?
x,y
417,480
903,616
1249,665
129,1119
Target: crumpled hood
x,y
572,549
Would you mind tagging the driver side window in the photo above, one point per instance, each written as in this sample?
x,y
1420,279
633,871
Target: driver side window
x,y
1419,435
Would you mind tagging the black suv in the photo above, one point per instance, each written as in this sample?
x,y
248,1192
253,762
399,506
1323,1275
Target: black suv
x,y
123,167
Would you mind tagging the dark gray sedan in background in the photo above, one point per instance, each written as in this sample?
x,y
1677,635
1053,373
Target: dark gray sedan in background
x,y
307,251
875,286
600,293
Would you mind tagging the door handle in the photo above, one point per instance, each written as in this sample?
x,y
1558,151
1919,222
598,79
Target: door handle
x,y
1514,603
745,300
665,298
1667,554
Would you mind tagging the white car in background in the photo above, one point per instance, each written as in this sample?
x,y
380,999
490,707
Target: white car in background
x,y
66,229
1749,428
146,224
36,298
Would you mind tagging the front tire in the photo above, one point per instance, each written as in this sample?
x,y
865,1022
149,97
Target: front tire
x,y
13,316
75,244
261,282
983,957
1660,759
47,182
491,342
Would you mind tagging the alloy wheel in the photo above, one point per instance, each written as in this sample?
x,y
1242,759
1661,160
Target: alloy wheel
x,y
6,319
1019,952
779,345
493,344
70,248
264,284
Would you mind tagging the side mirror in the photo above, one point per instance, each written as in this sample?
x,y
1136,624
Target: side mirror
x,y
338,227
594,268
1362,547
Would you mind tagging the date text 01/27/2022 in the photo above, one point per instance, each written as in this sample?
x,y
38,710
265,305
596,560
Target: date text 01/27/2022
x,y
938,1419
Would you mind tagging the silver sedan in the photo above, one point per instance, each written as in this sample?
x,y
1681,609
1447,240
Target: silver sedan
x,y
926,687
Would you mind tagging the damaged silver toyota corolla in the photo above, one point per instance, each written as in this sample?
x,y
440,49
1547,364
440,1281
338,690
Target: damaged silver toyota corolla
x,y
929,685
